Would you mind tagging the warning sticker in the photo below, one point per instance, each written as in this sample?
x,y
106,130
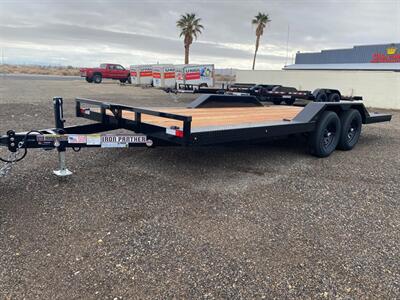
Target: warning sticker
x,y
51,138
76,139
93,139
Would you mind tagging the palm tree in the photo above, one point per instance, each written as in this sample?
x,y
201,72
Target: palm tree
x,y
261,20
190,28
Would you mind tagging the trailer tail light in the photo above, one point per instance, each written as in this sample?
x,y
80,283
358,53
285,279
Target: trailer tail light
x,y
175,132
85,111
179,133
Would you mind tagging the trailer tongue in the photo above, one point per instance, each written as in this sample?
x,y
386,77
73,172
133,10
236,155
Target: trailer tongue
x,y
209,120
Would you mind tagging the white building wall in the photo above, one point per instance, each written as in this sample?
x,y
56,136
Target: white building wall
x,y
380,89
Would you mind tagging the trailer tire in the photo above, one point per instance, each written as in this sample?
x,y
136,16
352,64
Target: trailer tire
x,y
290,101
277,102
88,79
123,80
261,98
334,97
321,97
97,78
351,121
325,138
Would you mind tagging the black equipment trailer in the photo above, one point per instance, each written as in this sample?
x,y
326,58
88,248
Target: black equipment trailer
x,y
209,120
274,93
278,93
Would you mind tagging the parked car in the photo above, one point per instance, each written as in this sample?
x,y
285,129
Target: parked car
x,y
111,71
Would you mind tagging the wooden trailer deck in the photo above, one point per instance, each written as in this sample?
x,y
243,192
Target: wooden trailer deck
x,y
208,117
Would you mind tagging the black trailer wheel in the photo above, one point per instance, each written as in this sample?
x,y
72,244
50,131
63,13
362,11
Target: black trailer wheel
x,y
290,101
325,138
97,78
351,129
321,97
334,97
123,80
276,102
90,80
260,98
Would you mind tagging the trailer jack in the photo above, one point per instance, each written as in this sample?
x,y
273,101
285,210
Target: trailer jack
x,y
59,122
62,171
15,146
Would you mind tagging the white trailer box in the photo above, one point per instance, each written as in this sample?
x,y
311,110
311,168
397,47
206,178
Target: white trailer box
x,y
142,74
145,74
179,74
195,74
134,74
163,76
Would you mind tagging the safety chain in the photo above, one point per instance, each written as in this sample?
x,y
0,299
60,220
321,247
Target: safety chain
x,y
12,158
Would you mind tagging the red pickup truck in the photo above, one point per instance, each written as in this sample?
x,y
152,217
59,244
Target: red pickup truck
x,y
112,71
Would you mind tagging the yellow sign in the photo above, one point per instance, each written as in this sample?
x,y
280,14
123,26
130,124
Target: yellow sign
x,y
391,50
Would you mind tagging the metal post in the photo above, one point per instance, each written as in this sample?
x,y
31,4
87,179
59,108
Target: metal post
x,y
103,115
78,108
138,121
187,130
59,124
58,112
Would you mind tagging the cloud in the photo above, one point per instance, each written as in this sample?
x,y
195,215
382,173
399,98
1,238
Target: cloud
x,y
131,32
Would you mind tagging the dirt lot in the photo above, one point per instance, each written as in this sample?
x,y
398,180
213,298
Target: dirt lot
x,y
42,70
256,221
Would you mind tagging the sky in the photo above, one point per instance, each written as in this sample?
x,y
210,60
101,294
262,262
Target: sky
x,y
87,33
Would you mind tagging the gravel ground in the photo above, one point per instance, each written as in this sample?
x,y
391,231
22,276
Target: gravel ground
x,y
256,221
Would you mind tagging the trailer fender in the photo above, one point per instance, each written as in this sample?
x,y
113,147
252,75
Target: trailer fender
x,y
313,110
340,109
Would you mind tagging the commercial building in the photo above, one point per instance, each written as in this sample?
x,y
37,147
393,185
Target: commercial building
x,y
384,57
371,71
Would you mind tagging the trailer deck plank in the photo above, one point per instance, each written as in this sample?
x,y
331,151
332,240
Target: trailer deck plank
x,y
206,117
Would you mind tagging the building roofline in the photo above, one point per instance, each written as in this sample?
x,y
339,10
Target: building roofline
x,y
369,45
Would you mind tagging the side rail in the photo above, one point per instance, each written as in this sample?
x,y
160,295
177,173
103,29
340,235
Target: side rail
x,y
110,113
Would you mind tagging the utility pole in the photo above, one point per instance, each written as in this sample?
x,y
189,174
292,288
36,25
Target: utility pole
x,y
2,62
287,45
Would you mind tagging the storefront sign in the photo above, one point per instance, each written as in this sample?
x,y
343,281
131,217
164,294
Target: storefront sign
x,y
391,56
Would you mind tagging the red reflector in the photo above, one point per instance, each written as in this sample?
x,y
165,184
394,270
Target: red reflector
x,y
82,110
179,133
